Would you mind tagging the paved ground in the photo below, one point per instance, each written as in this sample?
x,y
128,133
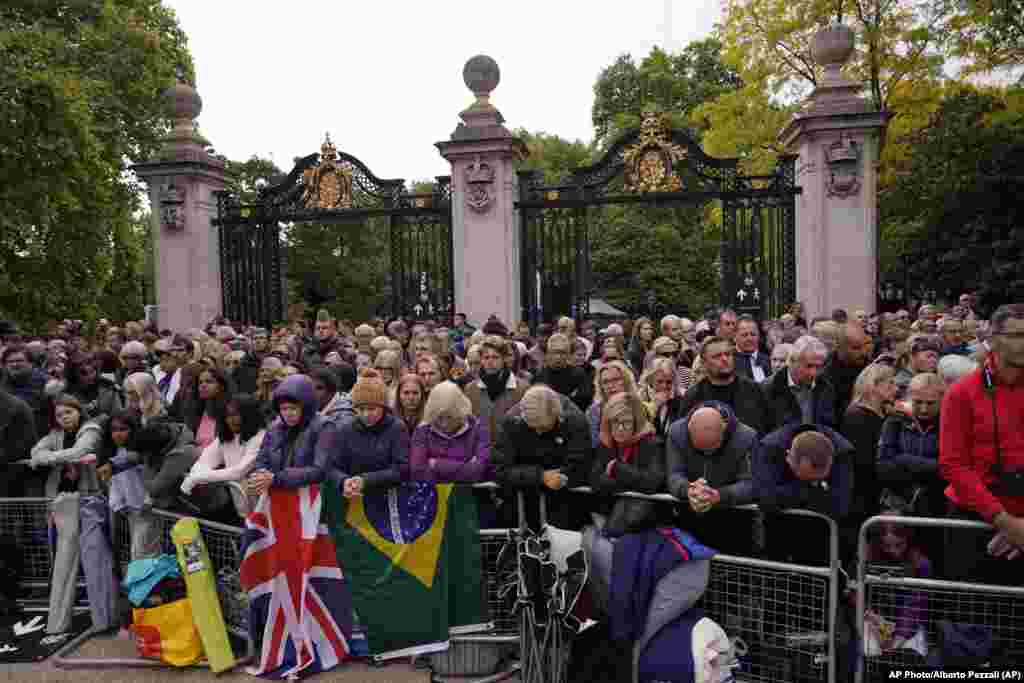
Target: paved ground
x,y
46,672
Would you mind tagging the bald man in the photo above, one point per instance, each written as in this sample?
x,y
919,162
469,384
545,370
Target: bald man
x,y
709,469
853,351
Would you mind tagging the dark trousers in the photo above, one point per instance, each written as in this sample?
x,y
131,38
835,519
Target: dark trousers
x,y
726,530
798,540
966,555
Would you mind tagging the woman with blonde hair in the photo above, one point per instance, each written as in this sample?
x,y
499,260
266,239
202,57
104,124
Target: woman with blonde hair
x,y
612,378
628,458
873,394
659,391
450,444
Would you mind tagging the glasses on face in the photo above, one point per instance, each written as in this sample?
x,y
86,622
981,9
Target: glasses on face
x,y
622,425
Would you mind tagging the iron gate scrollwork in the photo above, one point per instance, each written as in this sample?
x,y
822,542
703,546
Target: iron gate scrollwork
x,y
332,187
657,166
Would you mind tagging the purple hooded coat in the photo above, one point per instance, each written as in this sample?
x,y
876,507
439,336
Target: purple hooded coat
x,y
462,457
308,443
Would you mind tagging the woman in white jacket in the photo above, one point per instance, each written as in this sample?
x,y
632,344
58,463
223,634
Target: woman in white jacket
x,y
231,455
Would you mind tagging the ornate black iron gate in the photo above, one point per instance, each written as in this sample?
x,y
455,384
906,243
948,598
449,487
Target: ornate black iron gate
x,y
334,187
658,166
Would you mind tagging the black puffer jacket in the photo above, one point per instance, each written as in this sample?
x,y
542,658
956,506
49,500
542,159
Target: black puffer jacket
x,y
520,456
644,473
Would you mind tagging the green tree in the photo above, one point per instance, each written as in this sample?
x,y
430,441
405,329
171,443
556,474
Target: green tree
x,y
900,51
675,83
954,212
80,98
555,156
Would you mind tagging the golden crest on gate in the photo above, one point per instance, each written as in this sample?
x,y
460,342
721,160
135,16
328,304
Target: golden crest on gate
x,y
650,161
329,183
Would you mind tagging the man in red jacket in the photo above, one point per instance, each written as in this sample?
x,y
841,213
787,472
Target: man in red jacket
x,y
981,455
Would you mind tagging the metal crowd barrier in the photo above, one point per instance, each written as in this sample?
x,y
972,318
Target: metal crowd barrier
x,y
887,592
26,521
784,613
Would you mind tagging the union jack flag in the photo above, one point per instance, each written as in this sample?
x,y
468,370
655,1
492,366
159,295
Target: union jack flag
x,y
300,606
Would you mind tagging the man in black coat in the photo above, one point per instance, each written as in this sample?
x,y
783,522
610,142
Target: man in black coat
x,y
17,436
798,393
843,367
722,383
248,372
561,374
543,448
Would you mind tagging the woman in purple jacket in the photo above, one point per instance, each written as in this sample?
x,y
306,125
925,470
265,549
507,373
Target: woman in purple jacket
x,y
450,445
297,444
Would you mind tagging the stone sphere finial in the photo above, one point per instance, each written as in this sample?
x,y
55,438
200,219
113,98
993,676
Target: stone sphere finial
x,y
481,75
183,101
831,47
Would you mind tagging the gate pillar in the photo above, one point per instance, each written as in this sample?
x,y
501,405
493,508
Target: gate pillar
x,y
182,182
483,154
836,136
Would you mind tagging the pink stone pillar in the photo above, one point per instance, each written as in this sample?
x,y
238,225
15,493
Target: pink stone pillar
x,y
182,183
836,136
485,229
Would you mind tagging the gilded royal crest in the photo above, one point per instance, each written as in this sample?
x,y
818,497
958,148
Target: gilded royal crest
x,y
651,160
329,183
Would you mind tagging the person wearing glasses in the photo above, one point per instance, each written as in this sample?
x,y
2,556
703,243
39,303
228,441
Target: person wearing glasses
x,y
981,455
612,378
133,359
172,354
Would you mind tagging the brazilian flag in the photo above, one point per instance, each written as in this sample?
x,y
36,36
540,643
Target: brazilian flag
x,y
411,555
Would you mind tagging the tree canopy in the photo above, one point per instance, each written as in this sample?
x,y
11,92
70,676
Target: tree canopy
x,y
953,215
80,98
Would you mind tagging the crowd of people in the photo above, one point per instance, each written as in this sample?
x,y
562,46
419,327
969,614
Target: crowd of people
x,y
849,415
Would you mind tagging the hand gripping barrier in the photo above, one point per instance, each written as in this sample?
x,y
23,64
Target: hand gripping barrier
x,y
920,604
785,613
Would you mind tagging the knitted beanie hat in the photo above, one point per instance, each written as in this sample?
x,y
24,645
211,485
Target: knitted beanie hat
x,y
369,390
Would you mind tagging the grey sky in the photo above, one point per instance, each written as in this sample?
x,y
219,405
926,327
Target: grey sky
x,y
385,77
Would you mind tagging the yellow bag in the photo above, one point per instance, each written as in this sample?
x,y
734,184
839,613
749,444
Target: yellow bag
x,y
167,633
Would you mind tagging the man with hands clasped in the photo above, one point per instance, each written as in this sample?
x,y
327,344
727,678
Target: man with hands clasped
x,y
709,466
542,447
